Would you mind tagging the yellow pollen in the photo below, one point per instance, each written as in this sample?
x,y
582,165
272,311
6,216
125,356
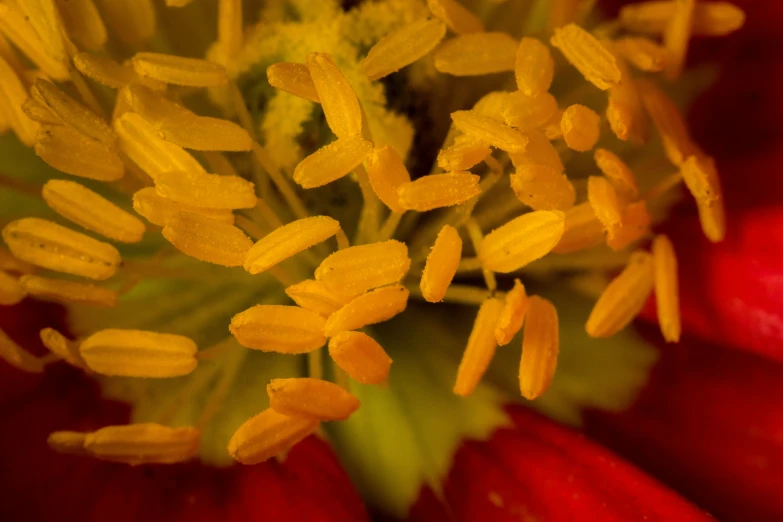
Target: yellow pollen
x,y
137,353
480,349
540,347
373,307
441,265
67,292
403,47
311,399
513,314
278,328
476,54
268,434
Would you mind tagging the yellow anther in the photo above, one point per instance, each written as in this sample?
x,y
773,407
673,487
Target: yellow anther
x,y
360,356
625,111
11,290
709,18
206,239
480,349
59,345
293,78
643,53
534,67
138,353
71,112
464,153
178,70
513,314
624,298
605,203
332,162
455,16
540,347
441,265
83,23
373,307
75,153
354,270
49,245
311,399
701,178
387,173
539,151
68,291
18,30
542,187
528,113
668,121
12,96
677,35
312,295
289,240
268,434
581,127
92,211
489,130
338,100
618,173
636,223
667,291
68,442
402,47
583,230
157,209
204,190
588,55
476,54
103,70
17,356
522,240
438,191
132,21
278,328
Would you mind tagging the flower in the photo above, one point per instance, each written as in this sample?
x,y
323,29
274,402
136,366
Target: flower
x,y
347,157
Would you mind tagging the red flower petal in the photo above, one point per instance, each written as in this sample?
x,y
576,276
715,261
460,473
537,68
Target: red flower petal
x,y
709,423
539,470
39,485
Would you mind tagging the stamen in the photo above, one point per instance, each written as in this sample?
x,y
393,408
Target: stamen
x,y
140,142
103,70
441,265
268,434
667,119
11,264
55,247
137,353
354,270
158,210
178,70
387,173
605,203
200,189
402,47
522,240
279,328
476,238
59,345
83,23
438,191
67,292
312,295
289,240
455,16
43,15
361,357
582,230
338,100
133,21
534,67
74,153
480,349
37,112
373,307
513,314
625,111
667,293
642,52
540,347
618,173
17,356
624,298
542,187
88,209
332,162
527,113
581,128
588,55
17,28
12,96
539,151
311,399
293,78
476,54
230,27
635,224
465,153
206,239
489,130
709,18
701,178
11,290
676,36
68,442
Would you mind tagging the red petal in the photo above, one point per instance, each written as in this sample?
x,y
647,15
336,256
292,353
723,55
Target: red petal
x,y
709,423
539,470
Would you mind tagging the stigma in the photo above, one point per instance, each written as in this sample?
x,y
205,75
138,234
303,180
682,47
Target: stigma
x,y
500,199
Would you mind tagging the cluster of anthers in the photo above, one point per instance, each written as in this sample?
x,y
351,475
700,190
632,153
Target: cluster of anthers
x,y
210,216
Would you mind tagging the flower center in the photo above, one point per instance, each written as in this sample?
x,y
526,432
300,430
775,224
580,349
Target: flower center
x,y
410,152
